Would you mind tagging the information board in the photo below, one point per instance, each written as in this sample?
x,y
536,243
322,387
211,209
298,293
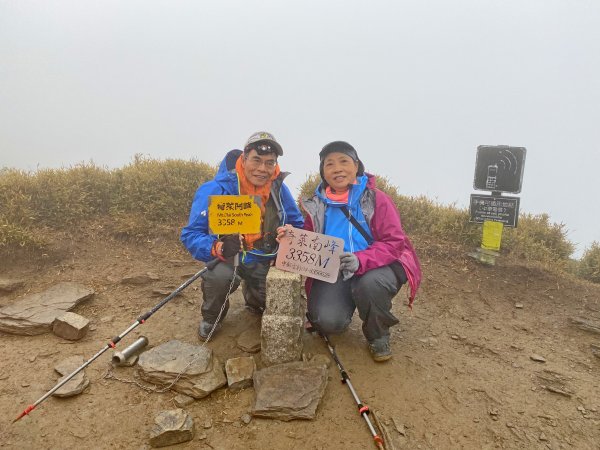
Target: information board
x,y
498,209
499,168
230,214
310,254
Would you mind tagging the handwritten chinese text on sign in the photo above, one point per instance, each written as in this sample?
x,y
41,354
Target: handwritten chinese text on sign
x,y
310,254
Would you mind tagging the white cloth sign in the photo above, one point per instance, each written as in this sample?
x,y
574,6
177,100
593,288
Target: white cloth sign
x,y
310,254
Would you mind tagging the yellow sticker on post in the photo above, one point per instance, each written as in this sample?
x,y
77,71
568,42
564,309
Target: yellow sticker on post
x,y
230,214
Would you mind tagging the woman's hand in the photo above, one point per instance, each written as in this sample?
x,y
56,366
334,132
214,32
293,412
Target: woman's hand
x,y
281,232
349,264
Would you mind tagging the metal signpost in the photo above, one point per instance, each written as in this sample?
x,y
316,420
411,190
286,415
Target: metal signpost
x,y
499,169
496,208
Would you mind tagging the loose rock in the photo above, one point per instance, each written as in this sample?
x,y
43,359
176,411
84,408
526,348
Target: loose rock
x,y
289,391
172,427
163,364
537,358
239,372
35,313
163,292
75,385
70,326
182,400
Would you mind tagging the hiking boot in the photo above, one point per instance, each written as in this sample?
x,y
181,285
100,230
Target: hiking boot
x,y
380,349
254,310
205,328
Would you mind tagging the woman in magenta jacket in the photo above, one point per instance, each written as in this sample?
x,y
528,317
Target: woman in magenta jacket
x,y
378,257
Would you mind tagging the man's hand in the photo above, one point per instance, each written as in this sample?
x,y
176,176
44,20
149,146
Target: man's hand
x,y
348,265
231,245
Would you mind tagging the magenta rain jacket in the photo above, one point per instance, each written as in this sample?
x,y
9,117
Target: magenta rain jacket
x,y
390,242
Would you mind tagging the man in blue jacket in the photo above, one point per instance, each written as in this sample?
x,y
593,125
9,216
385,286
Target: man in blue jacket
x,y
255,171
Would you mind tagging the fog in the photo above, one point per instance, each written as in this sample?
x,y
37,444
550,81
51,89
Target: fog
x,y
415,86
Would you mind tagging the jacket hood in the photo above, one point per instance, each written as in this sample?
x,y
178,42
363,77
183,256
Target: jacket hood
x,y
371,181
366,181
226,172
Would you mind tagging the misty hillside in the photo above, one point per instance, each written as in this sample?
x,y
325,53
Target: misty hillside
x,y
150,198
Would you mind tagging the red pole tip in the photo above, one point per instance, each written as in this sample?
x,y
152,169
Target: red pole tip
x,y
24,413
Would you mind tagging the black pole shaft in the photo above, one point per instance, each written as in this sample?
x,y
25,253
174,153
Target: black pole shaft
x,y
112,344
362,408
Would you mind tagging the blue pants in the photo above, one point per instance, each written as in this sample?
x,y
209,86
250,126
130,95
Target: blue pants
x,y
331,305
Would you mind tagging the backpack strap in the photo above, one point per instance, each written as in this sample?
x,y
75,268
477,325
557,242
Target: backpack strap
x,y
357,225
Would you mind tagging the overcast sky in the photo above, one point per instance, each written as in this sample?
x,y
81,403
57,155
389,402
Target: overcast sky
x,y
415,86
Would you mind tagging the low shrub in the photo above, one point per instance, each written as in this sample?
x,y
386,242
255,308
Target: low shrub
x,y
589,265
137,200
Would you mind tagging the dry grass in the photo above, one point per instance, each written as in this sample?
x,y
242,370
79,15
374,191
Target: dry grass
x,y
140,199
150,197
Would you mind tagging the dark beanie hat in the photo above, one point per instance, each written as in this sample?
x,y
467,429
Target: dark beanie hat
x,y
340,147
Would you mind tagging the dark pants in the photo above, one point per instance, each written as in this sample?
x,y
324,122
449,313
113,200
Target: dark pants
x,y
331,305
217,281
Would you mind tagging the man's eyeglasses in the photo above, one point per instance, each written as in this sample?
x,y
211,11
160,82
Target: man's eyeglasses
x,y
255,161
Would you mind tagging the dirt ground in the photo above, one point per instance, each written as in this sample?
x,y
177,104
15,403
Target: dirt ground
x,y
461,375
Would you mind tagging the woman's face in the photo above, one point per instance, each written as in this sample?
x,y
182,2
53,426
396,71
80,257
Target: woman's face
x,y
340,171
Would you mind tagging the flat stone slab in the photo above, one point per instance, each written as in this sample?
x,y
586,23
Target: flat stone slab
x,y
289,391
9,285
75,385
172,427
35,313
201,373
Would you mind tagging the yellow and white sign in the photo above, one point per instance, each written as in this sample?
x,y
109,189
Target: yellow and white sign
x,y
492,235
230,214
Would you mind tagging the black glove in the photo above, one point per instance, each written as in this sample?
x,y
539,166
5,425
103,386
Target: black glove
x,y
231,245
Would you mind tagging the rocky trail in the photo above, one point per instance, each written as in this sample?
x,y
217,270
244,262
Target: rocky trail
x,y
491,357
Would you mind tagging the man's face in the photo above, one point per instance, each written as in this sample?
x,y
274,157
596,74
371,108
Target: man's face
x,y
259,168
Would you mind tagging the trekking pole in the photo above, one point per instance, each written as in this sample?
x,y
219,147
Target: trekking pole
x,y
362,409
113,342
